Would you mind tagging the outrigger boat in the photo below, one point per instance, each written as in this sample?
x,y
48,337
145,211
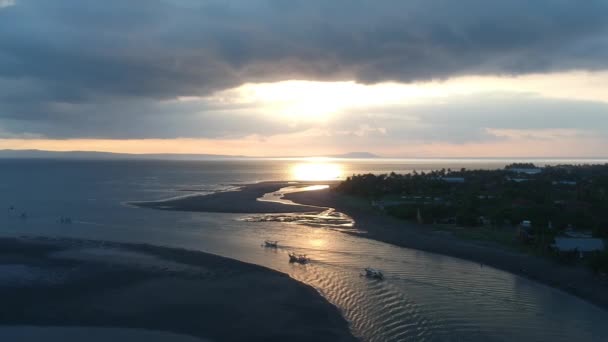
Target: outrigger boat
x,y
373,273
298,258
271,243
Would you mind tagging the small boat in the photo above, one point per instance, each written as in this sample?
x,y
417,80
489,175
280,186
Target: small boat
x,y
65,220
298,258
271,244
373,273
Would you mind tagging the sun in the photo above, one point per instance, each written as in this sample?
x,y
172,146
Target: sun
x,y
313,171
315,101
302,100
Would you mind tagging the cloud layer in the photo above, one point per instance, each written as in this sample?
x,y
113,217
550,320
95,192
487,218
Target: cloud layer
x,y
165,48
113,69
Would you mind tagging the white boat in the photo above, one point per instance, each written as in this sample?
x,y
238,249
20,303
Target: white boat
x,y
373,273
271,244
298,258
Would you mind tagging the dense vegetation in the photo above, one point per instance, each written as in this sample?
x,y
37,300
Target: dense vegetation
x,y
558,197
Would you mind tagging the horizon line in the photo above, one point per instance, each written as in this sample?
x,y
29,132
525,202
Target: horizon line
x,y
372,156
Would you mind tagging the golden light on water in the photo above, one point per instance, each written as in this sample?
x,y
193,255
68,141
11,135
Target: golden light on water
x,y
318,242
316,171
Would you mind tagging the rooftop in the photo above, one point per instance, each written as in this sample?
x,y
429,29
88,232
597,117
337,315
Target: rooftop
x,y
565,244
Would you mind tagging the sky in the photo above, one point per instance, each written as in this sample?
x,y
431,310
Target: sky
x,y
398,78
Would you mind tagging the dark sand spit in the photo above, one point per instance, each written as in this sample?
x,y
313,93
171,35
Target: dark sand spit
x,y
47,282
241,201
578,281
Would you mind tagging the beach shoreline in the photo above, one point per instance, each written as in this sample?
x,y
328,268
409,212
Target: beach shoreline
x,y
241,201
577,281
82,283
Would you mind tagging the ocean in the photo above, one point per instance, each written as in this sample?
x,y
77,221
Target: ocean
x,y
426,297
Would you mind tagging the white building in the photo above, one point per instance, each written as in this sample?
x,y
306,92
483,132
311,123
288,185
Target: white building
x,y
453,179
563,182
530,171
580,245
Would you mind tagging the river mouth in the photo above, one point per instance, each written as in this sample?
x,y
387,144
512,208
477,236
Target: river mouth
x,y
325,218
424,297
279,195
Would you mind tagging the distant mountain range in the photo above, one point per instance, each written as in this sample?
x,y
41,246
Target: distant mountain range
x,y
34,154
41,154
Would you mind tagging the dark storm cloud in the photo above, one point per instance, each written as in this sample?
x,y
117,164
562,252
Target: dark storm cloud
x,y
86,52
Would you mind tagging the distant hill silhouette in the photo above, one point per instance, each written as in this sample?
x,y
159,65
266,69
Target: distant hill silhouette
x,y
87,155
40,154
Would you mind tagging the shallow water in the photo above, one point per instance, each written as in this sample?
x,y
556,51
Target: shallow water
x,y
23,276
326,218
89,334
425,297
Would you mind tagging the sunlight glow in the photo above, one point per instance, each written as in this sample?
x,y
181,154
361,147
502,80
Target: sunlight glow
x,y
316,171
299,100
316,101
312,115
317,243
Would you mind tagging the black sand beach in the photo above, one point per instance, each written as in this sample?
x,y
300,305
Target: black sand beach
x,y
241,201
47,282
578,281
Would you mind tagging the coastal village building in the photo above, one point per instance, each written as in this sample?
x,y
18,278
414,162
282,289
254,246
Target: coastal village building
x,y
570,232
525,232
582,246
453,179
517,180
529,171
564,182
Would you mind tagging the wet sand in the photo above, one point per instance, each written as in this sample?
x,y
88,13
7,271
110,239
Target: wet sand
x,y
241,201
75,283
578,281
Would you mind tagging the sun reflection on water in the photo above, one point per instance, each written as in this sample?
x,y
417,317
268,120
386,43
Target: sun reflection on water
x,y
318,242
316,171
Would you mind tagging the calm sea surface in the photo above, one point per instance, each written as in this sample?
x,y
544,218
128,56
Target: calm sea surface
x,y
426,297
